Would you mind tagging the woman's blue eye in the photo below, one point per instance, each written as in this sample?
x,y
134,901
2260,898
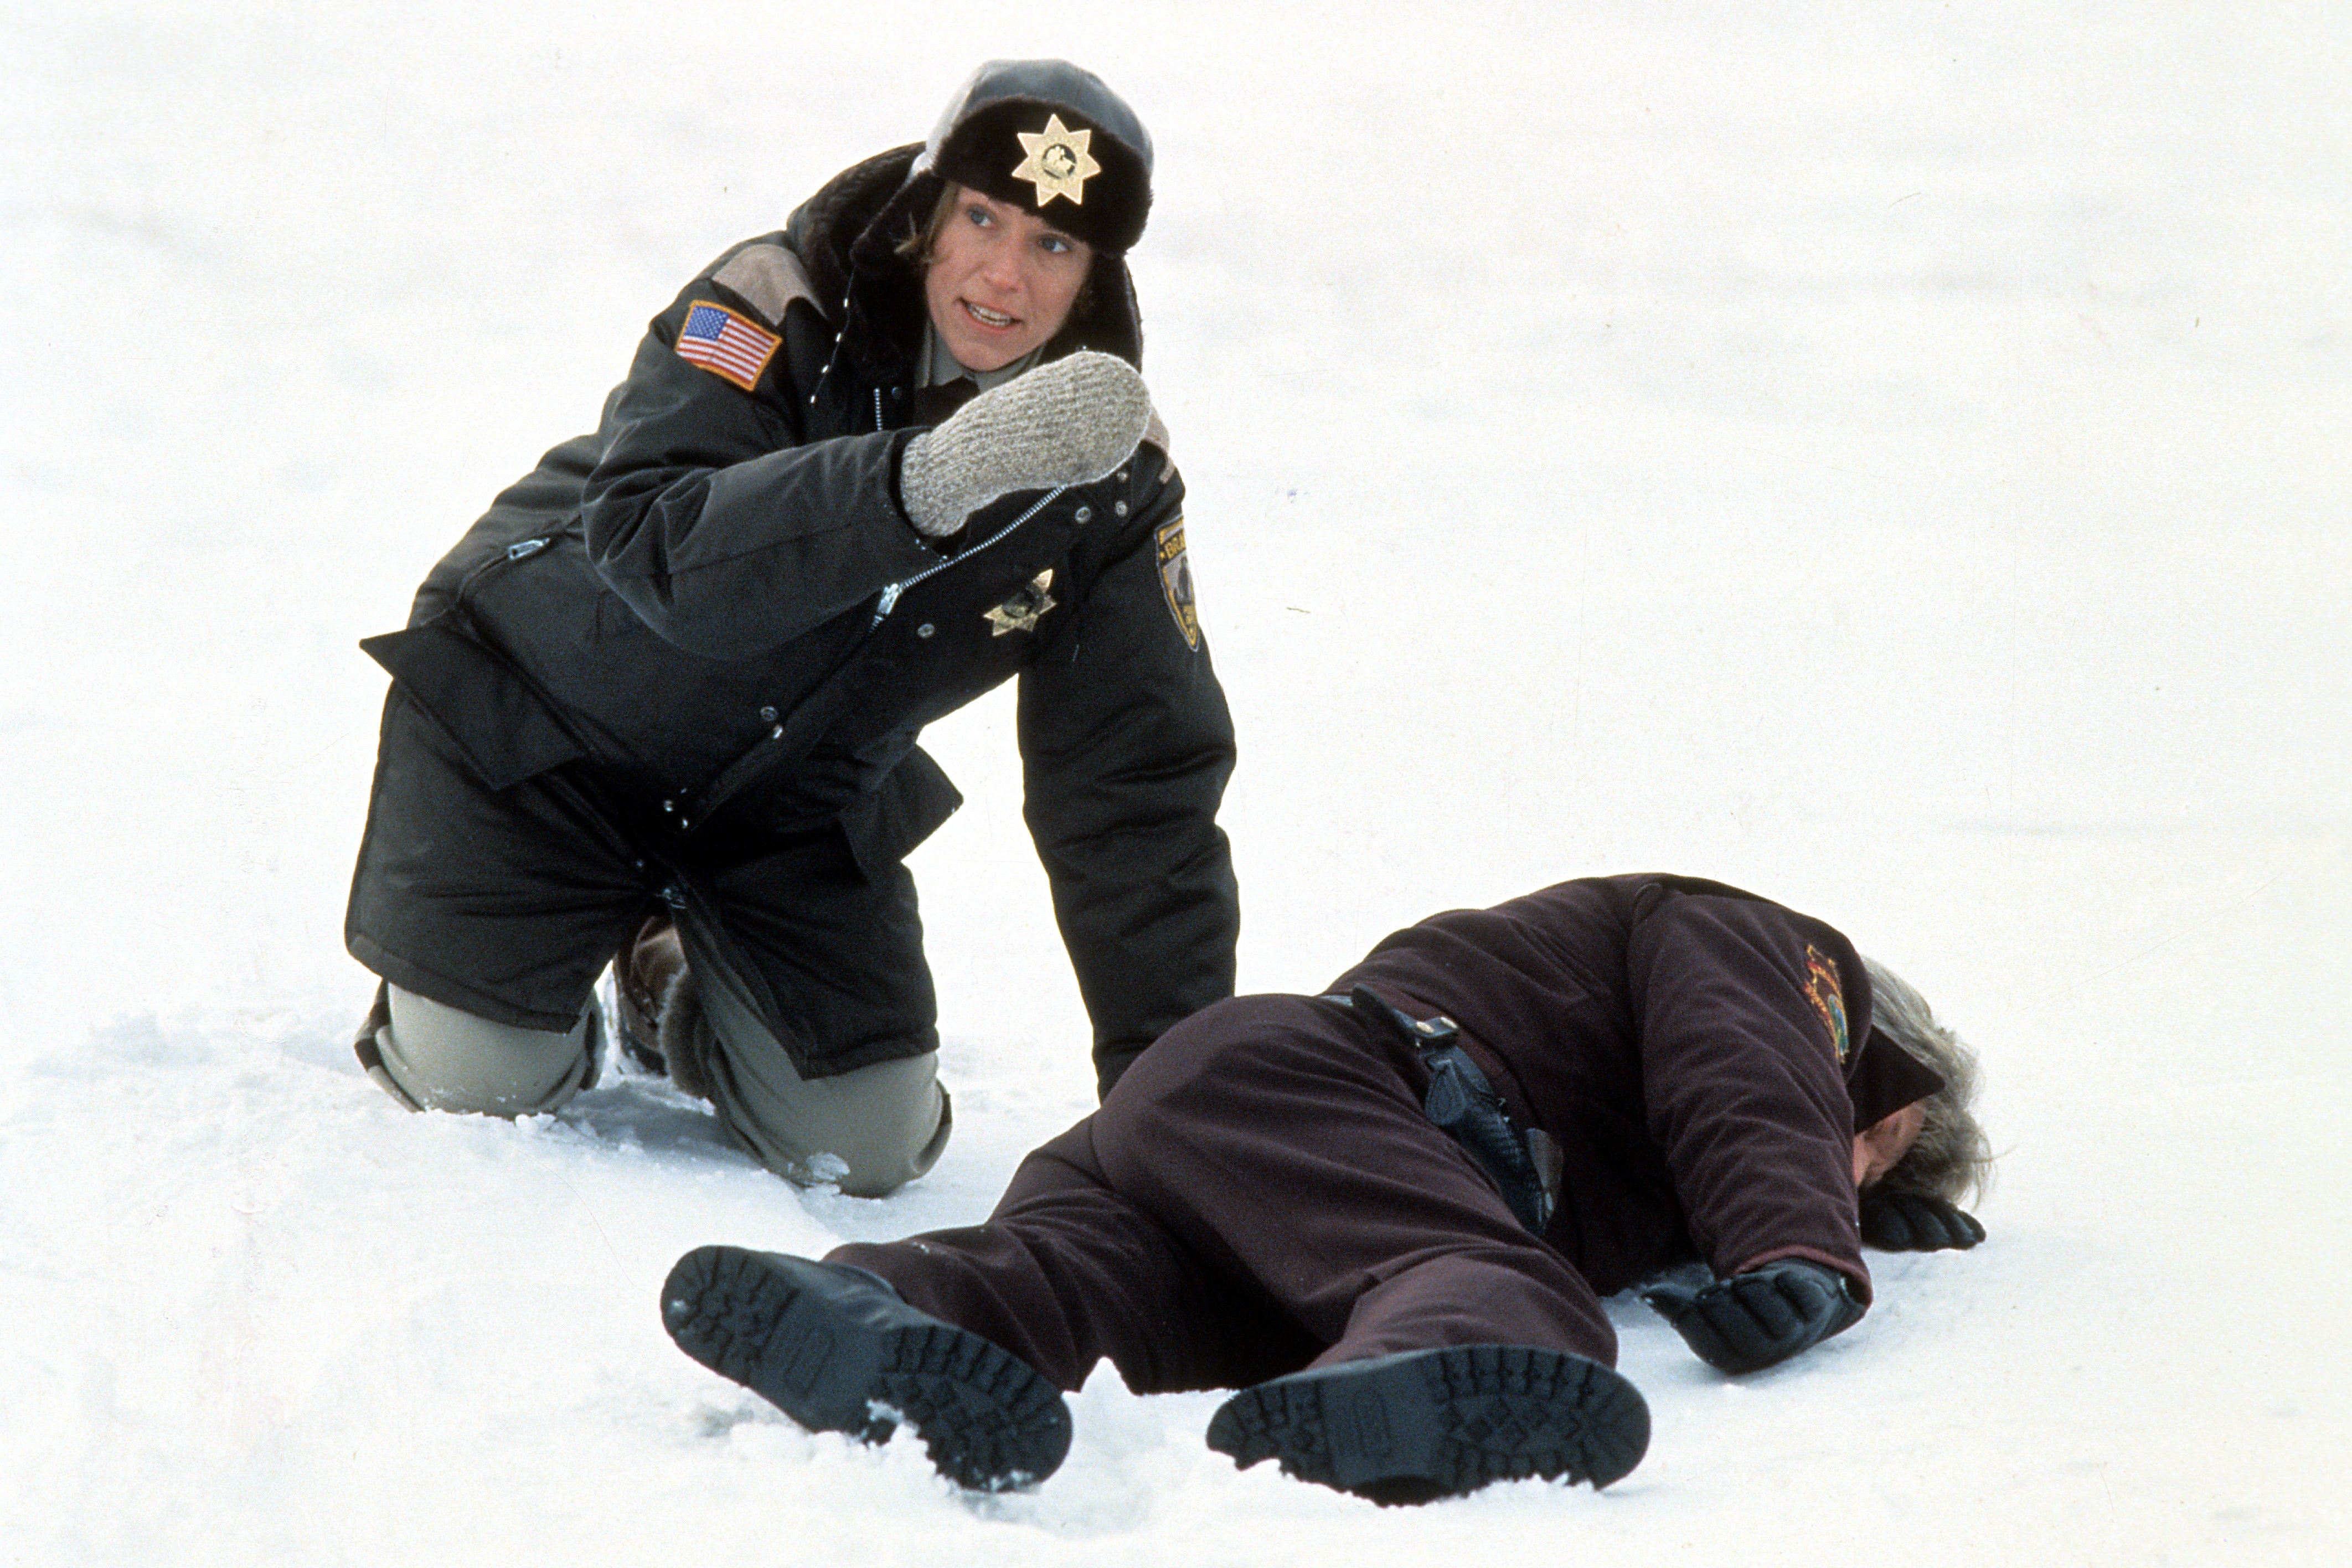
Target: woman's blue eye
x,y
1055,242
979,216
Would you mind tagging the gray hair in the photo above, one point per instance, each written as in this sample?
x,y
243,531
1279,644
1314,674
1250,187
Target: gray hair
x,y
1951,1160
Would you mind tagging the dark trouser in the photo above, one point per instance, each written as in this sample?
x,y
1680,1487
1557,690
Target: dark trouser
x,y
1260,1193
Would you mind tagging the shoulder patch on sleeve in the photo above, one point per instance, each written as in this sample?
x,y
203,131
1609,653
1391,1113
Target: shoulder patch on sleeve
x,y
1176,580
768,278
729,346
1823,990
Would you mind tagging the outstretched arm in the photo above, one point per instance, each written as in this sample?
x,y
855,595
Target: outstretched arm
x,y
1126,745
1740,1003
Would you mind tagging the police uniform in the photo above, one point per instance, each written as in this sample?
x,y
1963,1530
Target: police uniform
x,y
685,662
1266,1192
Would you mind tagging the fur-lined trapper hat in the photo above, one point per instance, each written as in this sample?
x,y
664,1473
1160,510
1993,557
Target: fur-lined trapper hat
x,y
1053,140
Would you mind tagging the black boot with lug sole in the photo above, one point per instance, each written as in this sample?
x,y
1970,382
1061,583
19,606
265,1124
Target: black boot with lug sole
x,y
837,1350
1422,1424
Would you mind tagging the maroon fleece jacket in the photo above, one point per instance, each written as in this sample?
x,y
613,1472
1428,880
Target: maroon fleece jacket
x,y
1696,1053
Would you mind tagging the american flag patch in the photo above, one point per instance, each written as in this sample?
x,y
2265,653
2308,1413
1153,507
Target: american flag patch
x,y
725,343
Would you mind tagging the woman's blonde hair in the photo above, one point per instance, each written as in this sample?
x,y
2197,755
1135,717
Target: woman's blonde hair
x,y
920,246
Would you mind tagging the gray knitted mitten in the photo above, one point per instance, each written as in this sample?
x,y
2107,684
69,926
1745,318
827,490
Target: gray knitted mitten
x,y
1066,423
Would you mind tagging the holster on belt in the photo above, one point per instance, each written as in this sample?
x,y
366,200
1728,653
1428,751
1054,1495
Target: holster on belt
x,y
1462,1101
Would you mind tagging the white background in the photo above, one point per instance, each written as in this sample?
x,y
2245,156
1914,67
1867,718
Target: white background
x,y
1890,457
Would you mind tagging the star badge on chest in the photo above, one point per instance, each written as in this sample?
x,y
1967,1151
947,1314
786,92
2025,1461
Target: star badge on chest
x,y
1026,607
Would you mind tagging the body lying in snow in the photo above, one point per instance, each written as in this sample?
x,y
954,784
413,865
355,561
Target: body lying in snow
x,y
1388,1213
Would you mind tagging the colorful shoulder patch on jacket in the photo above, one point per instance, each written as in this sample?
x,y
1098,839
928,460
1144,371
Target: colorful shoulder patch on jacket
x,y
1828,997
730,346
1176,580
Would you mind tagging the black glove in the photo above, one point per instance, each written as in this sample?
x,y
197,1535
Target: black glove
x,y
1752,1320
1907,1222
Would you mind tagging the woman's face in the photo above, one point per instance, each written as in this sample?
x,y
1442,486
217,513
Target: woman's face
x,y
1002,280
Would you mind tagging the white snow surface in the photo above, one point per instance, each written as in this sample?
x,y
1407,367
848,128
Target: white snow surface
x,y
1891,457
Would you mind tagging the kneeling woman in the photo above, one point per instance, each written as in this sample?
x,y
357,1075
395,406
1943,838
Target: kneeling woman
x,y
662,700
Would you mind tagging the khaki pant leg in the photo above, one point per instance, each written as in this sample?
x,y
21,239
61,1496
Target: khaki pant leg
x,y
445,1059
882,1125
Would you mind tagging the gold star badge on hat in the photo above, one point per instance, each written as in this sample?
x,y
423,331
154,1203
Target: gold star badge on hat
x,y
1057,163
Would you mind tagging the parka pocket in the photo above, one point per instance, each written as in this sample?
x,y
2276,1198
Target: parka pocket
x,y
915,798
501,727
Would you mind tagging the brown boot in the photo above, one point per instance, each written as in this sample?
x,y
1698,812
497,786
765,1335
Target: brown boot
x,y
644,971
684,1040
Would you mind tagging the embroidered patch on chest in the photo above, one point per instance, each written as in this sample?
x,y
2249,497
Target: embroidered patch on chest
x,y
1823,990
1176,580
1027,606
730,346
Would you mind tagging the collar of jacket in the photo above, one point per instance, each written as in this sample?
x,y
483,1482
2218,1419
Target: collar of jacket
x,y
847,237
937,367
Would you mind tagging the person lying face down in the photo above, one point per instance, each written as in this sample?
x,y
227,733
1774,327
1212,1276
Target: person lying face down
x,y
1388,1215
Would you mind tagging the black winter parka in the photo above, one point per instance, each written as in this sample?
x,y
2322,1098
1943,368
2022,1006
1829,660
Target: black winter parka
x,y
716,603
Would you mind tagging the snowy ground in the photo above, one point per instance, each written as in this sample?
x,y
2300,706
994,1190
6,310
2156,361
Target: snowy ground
x,y
1890,457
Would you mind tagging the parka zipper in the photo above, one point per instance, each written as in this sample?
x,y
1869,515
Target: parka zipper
x,y
520,550
890,595
809,722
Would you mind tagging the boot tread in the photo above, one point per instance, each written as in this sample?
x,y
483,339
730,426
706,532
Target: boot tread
x,y
841,1355
1441,1423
